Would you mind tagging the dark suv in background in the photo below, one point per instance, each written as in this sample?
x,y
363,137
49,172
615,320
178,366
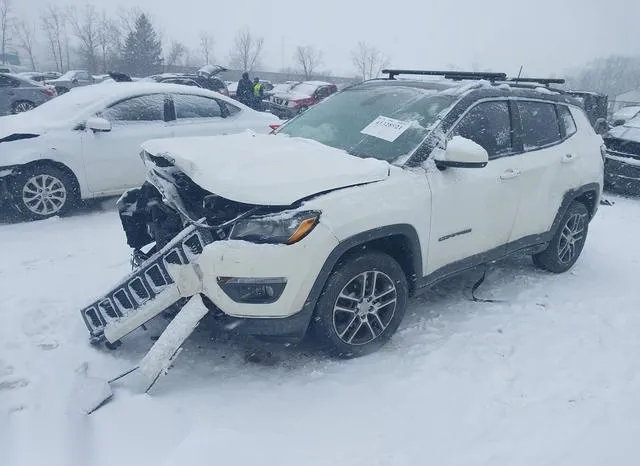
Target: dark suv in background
x,y
205,78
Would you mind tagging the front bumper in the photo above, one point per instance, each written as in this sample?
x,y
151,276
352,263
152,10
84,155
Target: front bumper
x,y
282,111
193,262
622,172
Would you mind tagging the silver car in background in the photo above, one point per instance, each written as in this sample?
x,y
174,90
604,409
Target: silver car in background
x,y
18,94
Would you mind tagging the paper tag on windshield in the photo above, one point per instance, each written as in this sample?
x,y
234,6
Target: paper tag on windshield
x,y
386,128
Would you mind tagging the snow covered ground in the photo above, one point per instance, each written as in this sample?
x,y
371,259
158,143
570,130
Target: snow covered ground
x,y
551,376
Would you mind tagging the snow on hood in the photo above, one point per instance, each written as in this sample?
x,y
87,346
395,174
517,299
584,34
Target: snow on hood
x,y
265,169
627,132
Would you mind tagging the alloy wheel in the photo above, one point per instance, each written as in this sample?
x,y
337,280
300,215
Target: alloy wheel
x,y
570,237
23,107
44,195
365,307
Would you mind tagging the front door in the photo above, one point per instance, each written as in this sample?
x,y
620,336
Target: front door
x,y
473,209
112,159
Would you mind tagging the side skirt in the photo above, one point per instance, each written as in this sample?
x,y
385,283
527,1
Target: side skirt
x,y
529,244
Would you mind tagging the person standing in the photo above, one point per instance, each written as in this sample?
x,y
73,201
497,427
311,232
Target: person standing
x,y
244,92
258,94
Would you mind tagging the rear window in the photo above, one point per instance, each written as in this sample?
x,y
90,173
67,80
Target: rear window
x,y
539,124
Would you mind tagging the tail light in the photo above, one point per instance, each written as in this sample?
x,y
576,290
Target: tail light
x,y
274,127
50,91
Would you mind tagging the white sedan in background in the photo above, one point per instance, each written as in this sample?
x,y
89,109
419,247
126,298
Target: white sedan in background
x,y
86,143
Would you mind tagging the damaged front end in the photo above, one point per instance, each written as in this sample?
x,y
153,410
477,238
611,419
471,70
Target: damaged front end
x,y
167,222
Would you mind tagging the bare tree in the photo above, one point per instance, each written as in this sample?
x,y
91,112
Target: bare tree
x,y
246,51
25,33
177,51
54,25
109,38
86,26
308,59
368,60
5,25
206,46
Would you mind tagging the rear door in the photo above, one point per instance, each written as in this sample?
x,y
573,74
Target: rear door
x,y
546,161
473,209
196,115
112,159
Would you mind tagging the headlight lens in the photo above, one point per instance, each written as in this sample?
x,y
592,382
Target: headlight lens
x,y
281,228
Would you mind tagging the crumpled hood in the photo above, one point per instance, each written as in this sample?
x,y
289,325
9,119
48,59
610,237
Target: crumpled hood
x,y
263,169
625,132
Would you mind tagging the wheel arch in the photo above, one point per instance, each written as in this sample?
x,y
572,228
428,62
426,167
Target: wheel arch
x,y
588,194
400,241
55,164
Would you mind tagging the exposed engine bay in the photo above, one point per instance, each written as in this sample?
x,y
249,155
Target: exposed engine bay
x,y
169,202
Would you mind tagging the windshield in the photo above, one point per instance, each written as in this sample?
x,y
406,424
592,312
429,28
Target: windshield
x,y
340,121
304,88
68,76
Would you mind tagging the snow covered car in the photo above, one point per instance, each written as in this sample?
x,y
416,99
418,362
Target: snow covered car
x,y
299,98
19,94
331,223
70,80
625,114
86,143
622,165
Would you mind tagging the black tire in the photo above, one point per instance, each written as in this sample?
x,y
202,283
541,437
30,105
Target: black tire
x,y
21,106
43,191
345,332
568,241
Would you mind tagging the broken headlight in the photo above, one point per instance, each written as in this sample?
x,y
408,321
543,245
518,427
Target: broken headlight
x,y
281,228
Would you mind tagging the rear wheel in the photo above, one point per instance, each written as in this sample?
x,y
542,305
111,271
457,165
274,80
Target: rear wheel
x,y
567,242
361,306
22,106
44,191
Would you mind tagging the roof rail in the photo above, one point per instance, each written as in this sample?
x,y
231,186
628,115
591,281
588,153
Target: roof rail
x,y
543,81
452,74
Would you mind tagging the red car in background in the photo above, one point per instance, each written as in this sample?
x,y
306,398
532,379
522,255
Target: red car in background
x,y
300,97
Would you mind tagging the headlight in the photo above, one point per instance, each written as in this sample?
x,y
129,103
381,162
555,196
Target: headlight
x,y
281,228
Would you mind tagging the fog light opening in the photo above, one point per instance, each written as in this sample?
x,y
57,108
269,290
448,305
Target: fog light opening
x,y
253,290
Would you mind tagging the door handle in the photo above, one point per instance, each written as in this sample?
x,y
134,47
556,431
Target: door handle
x,y
566,158
510,173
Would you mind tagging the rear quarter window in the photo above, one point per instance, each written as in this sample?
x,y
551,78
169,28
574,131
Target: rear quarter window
x,y
567,122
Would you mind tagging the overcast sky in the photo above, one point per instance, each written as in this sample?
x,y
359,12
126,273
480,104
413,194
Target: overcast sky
x,y
546,36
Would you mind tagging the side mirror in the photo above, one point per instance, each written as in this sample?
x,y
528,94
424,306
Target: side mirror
x,y
98,125
462,153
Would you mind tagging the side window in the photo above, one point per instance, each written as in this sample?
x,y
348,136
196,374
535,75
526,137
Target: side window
x,y
195,106
6,81
143,108
566,120
322,92
489,125
82,76
539,124
231,109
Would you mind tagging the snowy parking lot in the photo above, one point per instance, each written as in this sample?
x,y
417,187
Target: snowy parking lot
x,y
550,375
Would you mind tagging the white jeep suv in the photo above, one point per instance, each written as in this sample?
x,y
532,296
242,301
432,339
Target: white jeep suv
x,y
333,222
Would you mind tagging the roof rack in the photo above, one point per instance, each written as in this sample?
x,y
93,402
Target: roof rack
x,y
543,81
452,74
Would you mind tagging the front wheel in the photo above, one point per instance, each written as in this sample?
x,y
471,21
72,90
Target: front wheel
x,y
44,191
567,242
23,106
361,306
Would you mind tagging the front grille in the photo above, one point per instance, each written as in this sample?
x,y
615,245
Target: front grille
x,y
147,282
